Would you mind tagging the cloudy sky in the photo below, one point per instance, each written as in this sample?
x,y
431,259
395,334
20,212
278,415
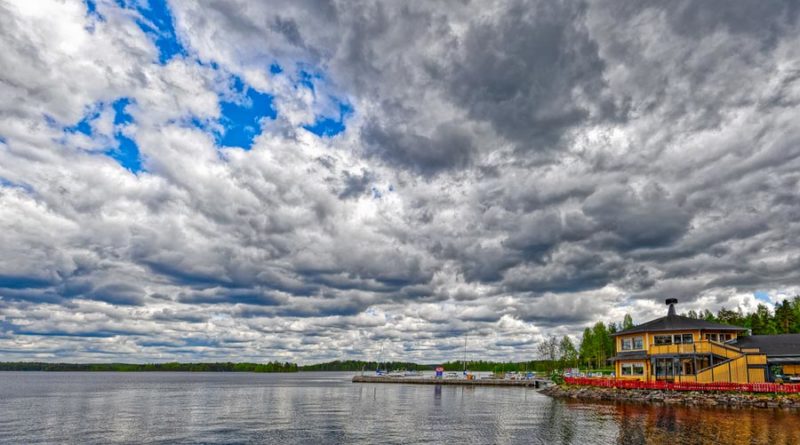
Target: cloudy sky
x,y
307,180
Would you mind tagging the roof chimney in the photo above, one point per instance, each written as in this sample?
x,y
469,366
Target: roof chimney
x,y
671,302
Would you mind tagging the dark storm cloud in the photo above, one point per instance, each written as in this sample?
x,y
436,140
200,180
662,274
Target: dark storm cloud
x,y
447,148
118,293
645,219
356,185
533,71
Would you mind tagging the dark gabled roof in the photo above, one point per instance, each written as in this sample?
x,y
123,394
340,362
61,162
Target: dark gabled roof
x,y
673,322
772,345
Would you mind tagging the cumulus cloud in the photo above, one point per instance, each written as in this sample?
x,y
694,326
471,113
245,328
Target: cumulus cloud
x,y
311,180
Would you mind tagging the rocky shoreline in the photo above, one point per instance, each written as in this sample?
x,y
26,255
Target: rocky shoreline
x,y
688,398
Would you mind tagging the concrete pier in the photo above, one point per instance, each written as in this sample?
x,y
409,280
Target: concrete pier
x,y
533,383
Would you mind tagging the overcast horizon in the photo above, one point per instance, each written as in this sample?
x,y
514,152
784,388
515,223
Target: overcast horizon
x,y
310,180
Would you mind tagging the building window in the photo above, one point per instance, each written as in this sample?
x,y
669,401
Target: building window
x,y
682,339
629,344
724,337
662,340
712,337
632,369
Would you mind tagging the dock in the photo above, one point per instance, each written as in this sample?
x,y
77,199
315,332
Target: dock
x,y
531,383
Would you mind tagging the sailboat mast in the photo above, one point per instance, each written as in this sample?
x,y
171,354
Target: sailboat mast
x,y
465,354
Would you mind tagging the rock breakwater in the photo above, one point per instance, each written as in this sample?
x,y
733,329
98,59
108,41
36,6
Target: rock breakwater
x,y
689,398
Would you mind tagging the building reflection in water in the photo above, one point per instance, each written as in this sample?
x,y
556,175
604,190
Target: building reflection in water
x,y
644,424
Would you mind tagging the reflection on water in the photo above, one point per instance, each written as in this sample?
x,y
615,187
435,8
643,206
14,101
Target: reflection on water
x,y
324,408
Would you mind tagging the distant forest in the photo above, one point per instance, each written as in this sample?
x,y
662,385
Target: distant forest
x,y
151,367
358,365
478,365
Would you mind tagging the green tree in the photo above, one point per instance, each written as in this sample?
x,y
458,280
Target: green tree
x,y
730,317
796,310
627,322
762,321
585,350
548,351
785,319
603,345
568,355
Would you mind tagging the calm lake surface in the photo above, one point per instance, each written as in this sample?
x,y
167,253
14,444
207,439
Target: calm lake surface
x,y
321,408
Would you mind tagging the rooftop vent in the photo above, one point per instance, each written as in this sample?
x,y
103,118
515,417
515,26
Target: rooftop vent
x,y
671,302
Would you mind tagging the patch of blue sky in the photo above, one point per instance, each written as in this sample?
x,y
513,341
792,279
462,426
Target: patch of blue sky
x,y
157,21
91,6
14,185
126,153
85,125
762,296
241,117
306,78
121,117
329,126
275,69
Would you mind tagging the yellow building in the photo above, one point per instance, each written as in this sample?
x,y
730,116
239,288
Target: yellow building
x,y
675,348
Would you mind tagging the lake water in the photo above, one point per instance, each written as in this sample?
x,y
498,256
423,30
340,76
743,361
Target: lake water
x,y
322,408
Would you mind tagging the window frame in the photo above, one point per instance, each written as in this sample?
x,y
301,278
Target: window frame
x,y
630,343
630,369
656,339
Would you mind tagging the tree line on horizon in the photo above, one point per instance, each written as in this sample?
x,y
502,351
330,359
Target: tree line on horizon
x,y
151,367
785,319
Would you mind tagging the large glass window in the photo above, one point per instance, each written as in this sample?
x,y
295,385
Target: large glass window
x,y
662,339
632,343
633,369
682,339
712,337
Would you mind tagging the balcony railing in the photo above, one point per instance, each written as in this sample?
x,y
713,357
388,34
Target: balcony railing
x,y
699,347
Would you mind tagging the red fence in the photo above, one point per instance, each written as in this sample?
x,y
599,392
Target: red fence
x,y
684,386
